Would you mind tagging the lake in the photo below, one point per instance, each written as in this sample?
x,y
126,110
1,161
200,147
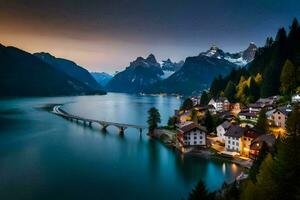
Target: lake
x,y
44,156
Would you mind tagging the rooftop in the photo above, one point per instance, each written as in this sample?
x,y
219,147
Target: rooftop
x,y
235,131
191,126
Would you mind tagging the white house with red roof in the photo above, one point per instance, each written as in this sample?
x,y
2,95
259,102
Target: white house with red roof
x,y
191,135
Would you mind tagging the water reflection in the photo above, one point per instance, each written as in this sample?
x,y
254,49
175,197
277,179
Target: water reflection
x,y
50,155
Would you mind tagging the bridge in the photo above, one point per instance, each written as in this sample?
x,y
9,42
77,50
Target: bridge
x,y
58,111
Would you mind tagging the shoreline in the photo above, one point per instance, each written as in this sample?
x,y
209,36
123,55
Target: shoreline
x,y
203,153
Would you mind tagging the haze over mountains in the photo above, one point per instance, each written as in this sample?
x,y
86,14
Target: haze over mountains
x,y
24,74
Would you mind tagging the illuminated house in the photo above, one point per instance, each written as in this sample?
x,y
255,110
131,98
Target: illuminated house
x,y
220,104
280,115
238,139
191,135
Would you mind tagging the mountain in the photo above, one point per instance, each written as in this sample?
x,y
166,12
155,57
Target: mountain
x,y
241,58
101,77
168,65
71,69
195,75
23,74
137,76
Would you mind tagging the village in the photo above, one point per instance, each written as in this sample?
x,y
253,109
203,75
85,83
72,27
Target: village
x,y
225,130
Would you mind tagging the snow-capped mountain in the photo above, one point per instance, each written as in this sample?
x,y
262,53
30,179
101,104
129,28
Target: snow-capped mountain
x,y
241,58
170,67
138,75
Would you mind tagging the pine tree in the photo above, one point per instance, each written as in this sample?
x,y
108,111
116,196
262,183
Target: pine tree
x,y
254,170
287,161
262,122
288,78
254,90
204,98
187,104
230,91
153,119
200,192
173,121
209,122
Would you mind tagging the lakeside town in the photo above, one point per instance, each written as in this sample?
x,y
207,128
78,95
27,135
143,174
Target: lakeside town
x,y
225,130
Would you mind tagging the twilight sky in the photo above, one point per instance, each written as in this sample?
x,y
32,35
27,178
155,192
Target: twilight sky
x,y
105,35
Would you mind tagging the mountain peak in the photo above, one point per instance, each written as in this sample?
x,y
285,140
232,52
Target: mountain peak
x,y
214,52
151,58
249,53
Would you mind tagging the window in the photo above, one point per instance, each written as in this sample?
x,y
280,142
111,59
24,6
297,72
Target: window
x,y
237,144
195,138
195,142
201,137
233,143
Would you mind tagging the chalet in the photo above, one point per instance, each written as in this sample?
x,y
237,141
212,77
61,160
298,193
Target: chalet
x,y
221,104
191,135
246,140
233,138
221,130
257,143
296,98
239,139
280,115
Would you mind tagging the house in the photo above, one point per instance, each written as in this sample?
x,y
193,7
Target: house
x,y
239,139
235,108
246,140
195,100
257,143
248,116
221,130
296,98
233,138
280,115
191,135
266,103
220,104
212,110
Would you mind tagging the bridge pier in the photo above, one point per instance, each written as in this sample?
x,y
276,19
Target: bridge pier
x,y
121,129
104,127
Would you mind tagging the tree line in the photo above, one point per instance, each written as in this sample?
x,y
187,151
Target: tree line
x,y
274,70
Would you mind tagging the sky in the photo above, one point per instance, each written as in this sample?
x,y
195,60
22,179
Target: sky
x,y
106,35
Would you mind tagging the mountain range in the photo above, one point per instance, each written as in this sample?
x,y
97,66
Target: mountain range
x,y
24,74
191,76
241,58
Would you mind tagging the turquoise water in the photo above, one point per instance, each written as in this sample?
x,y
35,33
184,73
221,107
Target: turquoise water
x,y
43,156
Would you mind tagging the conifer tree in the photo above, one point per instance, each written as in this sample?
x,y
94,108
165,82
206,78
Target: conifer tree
x,y
204,98
288,78
230,91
